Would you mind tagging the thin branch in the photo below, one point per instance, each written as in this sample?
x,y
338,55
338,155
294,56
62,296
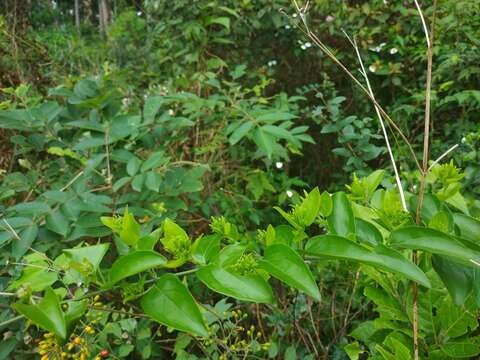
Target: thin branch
x,y
442,156
307,32
382,125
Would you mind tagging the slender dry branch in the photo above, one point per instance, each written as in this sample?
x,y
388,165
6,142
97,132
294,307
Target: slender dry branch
x,y
314,38
382,125
424,172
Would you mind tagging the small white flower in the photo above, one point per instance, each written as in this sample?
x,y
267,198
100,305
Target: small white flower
x,y
170,112
329,19
279,165
289,193
372,68
393,51
125,101
303,47
287,27
139,13
294,15
464,140
308,44
145,97
70,11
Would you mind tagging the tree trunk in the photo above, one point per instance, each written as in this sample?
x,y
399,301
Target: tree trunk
x,y
77,14
103,13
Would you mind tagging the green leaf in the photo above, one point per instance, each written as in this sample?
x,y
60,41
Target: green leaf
x,y
134,263
148,242
278,132
382,257
27,237
466,348
130,232
93,254
456,277
221,20
47,314
368,233
243,287
206,248
240,132
326,204
435,242
133,165
353,350
153,181
151,107
155,159
170,303
285,264
468,226
309,208
341,221
57,222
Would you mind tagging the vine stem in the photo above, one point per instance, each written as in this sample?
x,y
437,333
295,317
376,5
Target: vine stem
x,y
425,169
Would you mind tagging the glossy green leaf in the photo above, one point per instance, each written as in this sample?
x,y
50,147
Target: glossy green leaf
x,y
170,303
308,209
47,314
285,264
337,247
468,226
92,254
149,241
252,288
456,277
206,248
368,233
130,231
341,221
153,161
326,204
435,242
134,263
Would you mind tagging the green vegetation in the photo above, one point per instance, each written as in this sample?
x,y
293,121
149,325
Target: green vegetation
x,y
239,180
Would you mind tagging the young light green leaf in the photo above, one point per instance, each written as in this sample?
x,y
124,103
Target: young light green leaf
x,y
93,254
341,221
130,232
206,248
134,263
308,209
170,303
468,226
285,264
149,241
47,314
326,204
337,247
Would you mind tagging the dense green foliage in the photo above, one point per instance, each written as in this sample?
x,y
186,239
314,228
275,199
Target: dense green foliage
x,y
197,180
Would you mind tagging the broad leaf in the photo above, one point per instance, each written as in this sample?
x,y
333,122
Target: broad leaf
x,y
170,303
134,263
285,264
92,254
384,258
433,241
47,314
341,221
